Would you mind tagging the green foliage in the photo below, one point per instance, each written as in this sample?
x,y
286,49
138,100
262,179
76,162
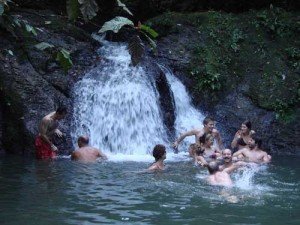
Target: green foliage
x,y
43,45
136,49
275,21
123,6
149,30
116,24
88,8
293,55
72,9
284,110
63,57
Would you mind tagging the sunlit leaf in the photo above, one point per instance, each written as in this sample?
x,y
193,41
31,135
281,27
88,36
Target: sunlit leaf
x,y
115,24
43,45
63,57
30,29
136,49
88,8
72,9
124,7
149,30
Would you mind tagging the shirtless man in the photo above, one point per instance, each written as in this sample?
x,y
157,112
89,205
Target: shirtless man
x,y
45,149
228,165
254,152
159,153
208,128
218,177
85,152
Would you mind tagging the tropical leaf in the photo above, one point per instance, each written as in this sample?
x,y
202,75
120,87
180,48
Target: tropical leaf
x,y
43,45
149,30
151,41
72,9
115,24
63,57
136,49
30,29
124,7
88,8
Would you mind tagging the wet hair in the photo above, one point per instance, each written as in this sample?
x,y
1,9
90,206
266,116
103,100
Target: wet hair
x,y
200,151
213,167
258,141
248,124
204,138
61,110
83,139
207,120
158,151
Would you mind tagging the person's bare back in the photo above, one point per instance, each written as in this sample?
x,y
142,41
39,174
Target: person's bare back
x,y
86,153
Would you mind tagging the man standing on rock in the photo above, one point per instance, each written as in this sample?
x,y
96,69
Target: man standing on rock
x,y
208,128
45,149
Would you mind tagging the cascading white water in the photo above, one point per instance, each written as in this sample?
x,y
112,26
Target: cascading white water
x,y
117,106
187,117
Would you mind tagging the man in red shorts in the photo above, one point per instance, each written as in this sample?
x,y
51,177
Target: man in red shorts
x,y
45,149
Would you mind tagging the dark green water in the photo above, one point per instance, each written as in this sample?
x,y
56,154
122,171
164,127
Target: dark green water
x,y
65,192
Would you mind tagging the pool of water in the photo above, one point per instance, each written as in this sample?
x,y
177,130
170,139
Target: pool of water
x,y
118,192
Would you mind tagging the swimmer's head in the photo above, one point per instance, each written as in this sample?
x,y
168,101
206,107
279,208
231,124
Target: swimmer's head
x,y
61,112
227,155
83,141
213,167
207,139
246,126
209,123
254,141
159,152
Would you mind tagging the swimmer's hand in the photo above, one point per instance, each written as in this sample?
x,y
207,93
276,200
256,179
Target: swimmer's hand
x,y
202,164
54,148
58,133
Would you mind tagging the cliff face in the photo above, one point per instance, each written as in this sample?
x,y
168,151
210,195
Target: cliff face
x,y
237,67
32,84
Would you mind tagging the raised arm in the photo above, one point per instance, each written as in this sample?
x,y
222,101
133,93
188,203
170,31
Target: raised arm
x,y
235,139
184,135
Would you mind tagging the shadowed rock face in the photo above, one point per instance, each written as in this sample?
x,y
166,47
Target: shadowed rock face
x,y
32,84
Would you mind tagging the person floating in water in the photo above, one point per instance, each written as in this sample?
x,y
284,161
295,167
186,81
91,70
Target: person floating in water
x,y
254,152
208,128
217,177
45,148
85,152
229,166
242,136
159,153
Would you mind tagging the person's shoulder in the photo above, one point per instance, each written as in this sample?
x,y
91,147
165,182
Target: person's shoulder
x,y
153,167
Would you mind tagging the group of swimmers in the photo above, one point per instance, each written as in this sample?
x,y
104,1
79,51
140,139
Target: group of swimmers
x,y
207,151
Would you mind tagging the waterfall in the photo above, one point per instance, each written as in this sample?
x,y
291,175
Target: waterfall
x,y
117,106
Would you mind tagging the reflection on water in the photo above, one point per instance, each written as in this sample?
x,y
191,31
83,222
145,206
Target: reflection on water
x,y
116,192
